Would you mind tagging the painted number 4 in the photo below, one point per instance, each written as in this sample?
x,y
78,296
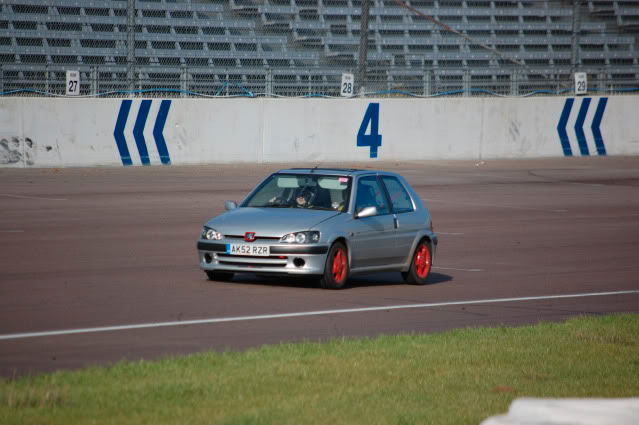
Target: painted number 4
x,y
374,139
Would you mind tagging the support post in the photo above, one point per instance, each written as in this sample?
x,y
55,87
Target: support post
x,y
269,82
363,46
183,82
576,29
428,76
130,44
466,82
601,84
94,80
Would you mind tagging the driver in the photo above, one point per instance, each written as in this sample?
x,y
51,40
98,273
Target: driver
x,y
302,198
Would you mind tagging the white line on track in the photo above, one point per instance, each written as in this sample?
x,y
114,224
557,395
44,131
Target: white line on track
x,y
460,270
493,205
33,197
301,314
11,231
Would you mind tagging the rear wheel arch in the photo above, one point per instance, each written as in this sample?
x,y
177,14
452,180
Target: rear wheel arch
x,y
429,241
416,243
418,275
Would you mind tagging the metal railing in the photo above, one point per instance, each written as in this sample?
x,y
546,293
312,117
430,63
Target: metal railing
x,y
199,48
314,82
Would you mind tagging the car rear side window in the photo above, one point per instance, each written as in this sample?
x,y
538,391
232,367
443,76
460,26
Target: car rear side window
x,y
400,200
370,194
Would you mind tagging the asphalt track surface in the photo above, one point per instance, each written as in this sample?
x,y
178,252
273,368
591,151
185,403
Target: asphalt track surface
x,y
115,247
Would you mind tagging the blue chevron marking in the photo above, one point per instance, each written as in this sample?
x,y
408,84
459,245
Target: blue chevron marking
x,y
579,127
118,133
596,122
561,127
138,131
159,128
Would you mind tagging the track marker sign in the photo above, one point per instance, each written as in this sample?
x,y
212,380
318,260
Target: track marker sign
x,y
73,83
581,83
348,82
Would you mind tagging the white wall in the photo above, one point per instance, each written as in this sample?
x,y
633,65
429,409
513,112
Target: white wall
x,y
44,132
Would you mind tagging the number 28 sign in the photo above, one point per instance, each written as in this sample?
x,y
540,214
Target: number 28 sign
x,y
73,83
348,81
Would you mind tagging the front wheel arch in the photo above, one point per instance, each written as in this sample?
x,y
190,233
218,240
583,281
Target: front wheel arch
x,y
337,266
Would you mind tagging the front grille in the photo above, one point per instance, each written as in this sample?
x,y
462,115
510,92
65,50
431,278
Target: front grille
x,y
271,257
257,238
250,265
251,262
281,249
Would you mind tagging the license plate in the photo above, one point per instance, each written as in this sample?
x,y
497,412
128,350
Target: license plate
x,y
237,249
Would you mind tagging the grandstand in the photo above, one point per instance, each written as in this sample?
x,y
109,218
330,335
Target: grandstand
x,y
301,47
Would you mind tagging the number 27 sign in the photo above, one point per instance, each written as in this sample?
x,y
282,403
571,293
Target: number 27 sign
x,y
73,83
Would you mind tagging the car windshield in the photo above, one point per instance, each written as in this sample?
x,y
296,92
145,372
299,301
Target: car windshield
x,y
310,191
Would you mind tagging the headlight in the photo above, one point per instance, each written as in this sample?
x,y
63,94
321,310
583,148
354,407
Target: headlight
x,y
301,237
211,234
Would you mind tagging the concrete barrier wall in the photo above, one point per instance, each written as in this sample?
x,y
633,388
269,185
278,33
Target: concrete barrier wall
x,y
44,132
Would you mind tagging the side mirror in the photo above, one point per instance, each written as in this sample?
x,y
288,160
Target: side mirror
x,y
366,212
230,205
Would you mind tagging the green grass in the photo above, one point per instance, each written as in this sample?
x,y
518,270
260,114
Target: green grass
x,y
457,377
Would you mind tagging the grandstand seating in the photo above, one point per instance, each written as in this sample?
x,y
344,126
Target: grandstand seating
x,y
303,46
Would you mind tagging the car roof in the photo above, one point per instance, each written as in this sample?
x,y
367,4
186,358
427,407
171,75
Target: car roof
x,y
333,171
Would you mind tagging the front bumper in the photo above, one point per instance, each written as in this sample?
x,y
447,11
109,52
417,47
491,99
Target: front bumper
x,y
284,259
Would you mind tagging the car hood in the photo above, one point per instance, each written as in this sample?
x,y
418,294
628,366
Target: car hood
x,y
268,221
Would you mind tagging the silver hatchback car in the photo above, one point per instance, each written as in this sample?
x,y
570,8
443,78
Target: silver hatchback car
x,y
329,223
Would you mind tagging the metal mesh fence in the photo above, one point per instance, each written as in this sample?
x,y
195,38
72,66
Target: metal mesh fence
x,y
301,48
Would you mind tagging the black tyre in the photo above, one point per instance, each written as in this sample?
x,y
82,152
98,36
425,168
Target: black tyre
x,y
420,265
220,276
336,269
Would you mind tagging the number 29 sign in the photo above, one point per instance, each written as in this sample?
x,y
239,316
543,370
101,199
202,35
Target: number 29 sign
x,y
581,83
73,83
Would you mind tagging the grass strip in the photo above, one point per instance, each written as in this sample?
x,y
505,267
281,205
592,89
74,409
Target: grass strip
x,y
456,377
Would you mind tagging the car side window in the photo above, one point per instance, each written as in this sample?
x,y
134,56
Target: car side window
x,y
400,200
370,194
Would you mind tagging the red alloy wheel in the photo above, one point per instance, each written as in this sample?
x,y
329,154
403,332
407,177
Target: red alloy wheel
x,y
339,266
422,261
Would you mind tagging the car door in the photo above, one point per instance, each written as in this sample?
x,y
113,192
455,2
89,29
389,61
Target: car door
x,y
372,238
407,220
